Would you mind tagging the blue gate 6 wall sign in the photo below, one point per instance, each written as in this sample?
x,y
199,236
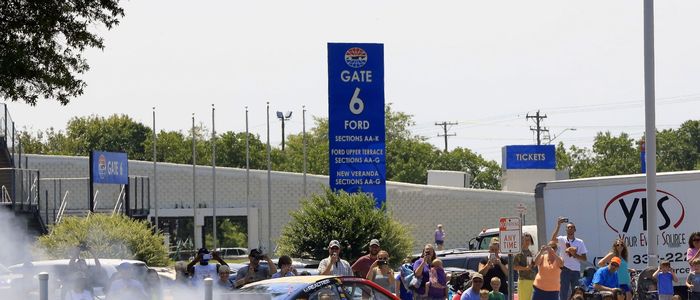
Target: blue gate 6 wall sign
x,y
109,167
529,157
356,119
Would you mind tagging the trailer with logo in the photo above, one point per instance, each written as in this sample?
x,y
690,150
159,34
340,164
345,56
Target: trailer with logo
x,y
606,208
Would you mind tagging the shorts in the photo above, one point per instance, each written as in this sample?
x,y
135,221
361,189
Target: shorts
x,y
439,243
625,288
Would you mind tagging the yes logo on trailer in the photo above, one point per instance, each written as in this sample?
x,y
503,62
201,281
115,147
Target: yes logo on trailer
x,y
628,211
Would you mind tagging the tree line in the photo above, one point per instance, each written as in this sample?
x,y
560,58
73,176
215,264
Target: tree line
x,y
408,156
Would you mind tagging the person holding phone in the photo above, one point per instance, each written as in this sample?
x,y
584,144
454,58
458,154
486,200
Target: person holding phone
x,y
494,266
200,268
573,251
547,282
421,271
523,263
333,264
380,272
254,271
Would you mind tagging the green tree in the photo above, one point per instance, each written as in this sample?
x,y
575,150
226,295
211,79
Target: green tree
x,y
484,174
408,160
108,236
114,133
348,218
679,150
292,159
230,150
41,45
230,235
615,155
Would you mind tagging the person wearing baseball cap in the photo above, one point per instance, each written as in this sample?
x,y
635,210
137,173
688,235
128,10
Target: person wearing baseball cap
x,y
362,266
333,264
472,293
200,268
605,279
254,271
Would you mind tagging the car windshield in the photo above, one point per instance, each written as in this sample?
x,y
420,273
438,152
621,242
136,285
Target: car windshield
x,y
274,290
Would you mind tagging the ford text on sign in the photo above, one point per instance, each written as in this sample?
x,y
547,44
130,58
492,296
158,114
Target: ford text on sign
x,y
109,167
356,119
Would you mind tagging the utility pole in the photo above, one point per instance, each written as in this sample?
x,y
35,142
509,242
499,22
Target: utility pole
x,y
539,129
444,129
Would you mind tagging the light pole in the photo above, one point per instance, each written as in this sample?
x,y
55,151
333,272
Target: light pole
x,y
560,133
283,117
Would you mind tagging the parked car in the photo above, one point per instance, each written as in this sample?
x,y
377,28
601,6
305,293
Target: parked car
x,y
311,287
233,253
58,271
300,264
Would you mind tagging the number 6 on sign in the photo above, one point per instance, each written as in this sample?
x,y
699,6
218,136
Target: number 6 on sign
x,y
356,104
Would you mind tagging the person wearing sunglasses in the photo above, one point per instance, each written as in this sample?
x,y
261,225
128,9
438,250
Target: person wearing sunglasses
x,y
693,247
605,279
380,272
619,249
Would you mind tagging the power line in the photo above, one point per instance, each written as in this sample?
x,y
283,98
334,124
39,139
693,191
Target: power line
x,y
444,128
539,129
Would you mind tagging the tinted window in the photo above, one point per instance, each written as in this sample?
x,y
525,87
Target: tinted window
x,y
361,291
326,293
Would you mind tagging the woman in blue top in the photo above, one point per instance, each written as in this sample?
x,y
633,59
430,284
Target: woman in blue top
x,y
619,249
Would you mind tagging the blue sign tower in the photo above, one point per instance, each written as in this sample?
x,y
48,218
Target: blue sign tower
x,y
356,130
108,168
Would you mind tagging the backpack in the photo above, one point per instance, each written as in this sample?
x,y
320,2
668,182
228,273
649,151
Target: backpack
x,y
408,279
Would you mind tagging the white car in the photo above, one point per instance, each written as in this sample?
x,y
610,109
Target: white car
x,y
58,271
232,253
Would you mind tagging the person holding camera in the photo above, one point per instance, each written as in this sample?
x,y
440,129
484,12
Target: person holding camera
x,y
200,268
254,271
573,251
380,272
333,264
494,266
79,270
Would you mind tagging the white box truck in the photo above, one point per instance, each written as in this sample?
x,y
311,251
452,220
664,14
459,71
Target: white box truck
x,y
606,208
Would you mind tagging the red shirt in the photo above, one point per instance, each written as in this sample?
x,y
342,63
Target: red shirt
x,y
361,266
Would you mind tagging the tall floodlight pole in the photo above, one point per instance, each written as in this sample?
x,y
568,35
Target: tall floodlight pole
x,y
213,173
284,117
303,139
650,128
194,185
269,188
155,173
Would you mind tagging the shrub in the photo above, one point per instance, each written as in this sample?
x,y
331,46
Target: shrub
x,y
108,236
352,219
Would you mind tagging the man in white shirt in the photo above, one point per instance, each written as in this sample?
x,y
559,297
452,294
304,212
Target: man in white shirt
x,y
333,264
573,252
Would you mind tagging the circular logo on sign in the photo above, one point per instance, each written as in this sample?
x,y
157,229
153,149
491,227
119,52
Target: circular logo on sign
x,y
102,166
355,57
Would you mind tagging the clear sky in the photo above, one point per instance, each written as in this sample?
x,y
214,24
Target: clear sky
x,y
484,64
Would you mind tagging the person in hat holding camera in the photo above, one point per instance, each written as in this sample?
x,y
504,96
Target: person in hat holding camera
x,y
363,264
333,264
200,268
254,271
